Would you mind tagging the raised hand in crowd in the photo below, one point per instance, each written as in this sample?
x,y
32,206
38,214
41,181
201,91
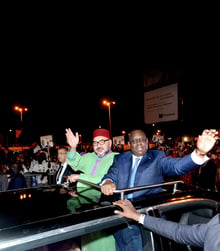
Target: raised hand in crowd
x,y
72,140
206,141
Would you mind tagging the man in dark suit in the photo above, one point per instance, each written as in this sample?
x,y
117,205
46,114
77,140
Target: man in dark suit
x,y
64,170
141,167
206,235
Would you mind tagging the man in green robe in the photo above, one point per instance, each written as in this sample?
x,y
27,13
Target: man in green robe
x,y
93,165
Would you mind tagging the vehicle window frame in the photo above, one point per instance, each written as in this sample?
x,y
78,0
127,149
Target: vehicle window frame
x,y
159,243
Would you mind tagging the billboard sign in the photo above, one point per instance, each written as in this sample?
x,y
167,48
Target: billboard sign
x,y
161,104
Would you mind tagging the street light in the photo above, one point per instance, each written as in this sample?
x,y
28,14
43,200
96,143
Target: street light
x,y
123,132
21,110
8,133
109,103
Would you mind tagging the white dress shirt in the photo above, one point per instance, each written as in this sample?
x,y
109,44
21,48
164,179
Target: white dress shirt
x,y
60,173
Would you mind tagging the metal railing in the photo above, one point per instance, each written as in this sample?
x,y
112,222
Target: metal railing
x,y
133,189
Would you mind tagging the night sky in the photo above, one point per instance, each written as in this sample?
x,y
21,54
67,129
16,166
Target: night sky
x,y
61,96
63,81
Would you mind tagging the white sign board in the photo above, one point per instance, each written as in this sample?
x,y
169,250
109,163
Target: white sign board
x,y
161,105
158,138
119,140
46,141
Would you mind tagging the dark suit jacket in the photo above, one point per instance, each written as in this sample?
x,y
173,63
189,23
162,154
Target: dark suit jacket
x,y
68,171
199,235
17,181
151,170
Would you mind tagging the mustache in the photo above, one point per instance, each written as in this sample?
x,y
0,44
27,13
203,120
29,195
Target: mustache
x,y
99,148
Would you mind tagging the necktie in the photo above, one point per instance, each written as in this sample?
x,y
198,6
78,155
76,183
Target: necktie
x,y
58,173
131,182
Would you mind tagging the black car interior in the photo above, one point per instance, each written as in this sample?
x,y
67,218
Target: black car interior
x,y
196,214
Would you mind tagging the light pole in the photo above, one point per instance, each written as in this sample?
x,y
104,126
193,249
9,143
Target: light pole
x,y
109,103
8,133
21,109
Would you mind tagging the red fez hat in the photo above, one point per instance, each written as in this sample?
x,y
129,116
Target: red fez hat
x,y
101,132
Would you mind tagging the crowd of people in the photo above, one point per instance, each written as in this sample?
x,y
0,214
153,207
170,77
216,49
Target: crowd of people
x,y
23,164
26,168
112,169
